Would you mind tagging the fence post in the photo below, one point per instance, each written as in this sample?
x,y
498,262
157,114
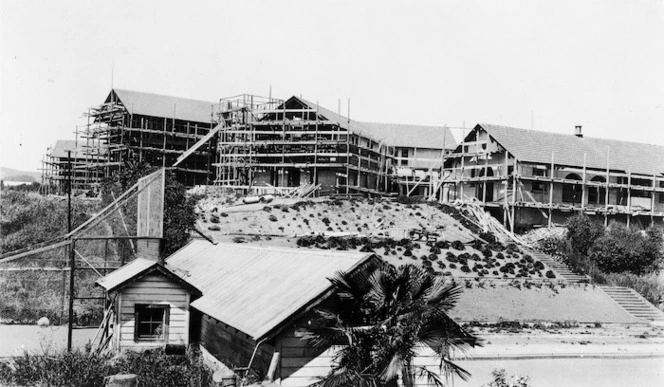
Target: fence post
x,y
72,264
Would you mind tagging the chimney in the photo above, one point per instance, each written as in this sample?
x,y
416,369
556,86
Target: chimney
x,y
577,131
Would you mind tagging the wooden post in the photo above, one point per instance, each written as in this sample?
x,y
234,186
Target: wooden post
x,y
629,197
583,184
463,162
72,269
606,194
347,147
316,150
486,162
551,189
652,200
513,196
506,182
163,153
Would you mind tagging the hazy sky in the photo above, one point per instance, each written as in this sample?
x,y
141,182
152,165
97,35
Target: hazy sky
x,y
557,63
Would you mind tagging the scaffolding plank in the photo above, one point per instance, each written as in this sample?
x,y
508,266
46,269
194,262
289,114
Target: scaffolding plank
x,y
198,144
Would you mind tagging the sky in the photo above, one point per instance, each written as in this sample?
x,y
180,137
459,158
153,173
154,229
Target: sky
x,y
546,65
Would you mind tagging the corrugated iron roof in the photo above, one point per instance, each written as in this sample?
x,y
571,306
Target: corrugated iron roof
x,y
255,289
399,135
157,105
125,273
535,146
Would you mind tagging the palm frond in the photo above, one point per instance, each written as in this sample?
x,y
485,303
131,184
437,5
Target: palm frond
x,y
345,377
431,377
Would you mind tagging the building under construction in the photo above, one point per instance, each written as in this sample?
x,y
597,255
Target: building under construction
x,y
273,145
529,177
256,145
140,127
65,157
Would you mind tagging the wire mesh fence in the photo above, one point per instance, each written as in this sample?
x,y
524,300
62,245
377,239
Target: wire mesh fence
x,y
39,285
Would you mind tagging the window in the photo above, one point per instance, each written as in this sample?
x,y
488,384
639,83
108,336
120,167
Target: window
x,y
151,322
661,195
404,157
538,186
540,172
572,192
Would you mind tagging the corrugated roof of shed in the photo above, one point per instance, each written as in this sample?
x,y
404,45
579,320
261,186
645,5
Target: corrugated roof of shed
x,y
535,146
125,273
400,135
157,105
255,289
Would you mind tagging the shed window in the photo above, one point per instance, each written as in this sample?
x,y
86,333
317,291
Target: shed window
x,y
151,322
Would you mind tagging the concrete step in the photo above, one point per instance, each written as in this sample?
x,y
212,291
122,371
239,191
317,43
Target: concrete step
x,y
559,268
633,303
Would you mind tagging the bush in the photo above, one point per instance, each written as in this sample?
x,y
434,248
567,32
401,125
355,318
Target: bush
x,y
458,245
582,232
622,249
77,368
550,274
500,379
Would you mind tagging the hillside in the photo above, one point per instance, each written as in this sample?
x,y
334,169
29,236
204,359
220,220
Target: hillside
x,y
10,174
431,235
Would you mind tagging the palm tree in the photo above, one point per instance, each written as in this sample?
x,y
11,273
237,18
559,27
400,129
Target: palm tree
x,y
379,317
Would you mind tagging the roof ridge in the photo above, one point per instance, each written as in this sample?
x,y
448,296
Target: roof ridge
x,y
571,135
403,124
162,95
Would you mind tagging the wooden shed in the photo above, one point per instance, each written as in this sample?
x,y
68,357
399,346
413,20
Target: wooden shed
x,y
244,304
151,304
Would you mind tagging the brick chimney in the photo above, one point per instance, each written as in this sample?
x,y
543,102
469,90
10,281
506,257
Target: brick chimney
x,y
577,131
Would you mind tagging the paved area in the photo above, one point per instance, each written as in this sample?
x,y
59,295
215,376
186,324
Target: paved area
x,y
16,339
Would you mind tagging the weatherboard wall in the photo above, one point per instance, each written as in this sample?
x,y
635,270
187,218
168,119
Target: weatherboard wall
x,y
152,289
231,347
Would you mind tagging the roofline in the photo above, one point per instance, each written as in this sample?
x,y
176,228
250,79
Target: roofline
x,y
324,295
149,270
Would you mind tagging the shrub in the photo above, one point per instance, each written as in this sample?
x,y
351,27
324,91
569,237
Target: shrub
x,y
550,274
582,232
500,379
273,218
622,249
488,236
458,245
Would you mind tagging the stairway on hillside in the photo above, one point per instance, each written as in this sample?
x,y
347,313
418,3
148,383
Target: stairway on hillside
x,y
633,303
560,268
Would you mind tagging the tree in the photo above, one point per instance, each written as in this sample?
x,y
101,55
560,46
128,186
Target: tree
x,y
622,249
179,214
380,316
582,233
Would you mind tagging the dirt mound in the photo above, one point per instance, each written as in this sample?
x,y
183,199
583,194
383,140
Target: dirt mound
x,y
435,236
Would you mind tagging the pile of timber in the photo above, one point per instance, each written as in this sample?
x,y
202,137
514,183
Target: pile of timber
x,y
304,191
474,213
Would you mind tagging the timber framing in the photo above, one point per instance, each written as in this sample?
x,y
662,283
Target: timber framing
x,y
140,127
503,169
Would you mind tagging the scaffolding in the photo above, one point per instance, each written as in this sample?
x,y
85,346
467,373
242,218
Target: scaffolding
x,y
61,160
266,142
114,136
484,172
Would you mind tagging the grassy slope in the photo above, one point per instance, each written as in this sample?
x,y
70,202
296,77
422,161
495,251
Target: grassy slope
x,y
287,220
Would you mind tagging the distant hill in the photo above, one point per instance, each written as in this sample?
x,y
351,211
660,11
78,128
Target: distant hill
x,y
10,174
